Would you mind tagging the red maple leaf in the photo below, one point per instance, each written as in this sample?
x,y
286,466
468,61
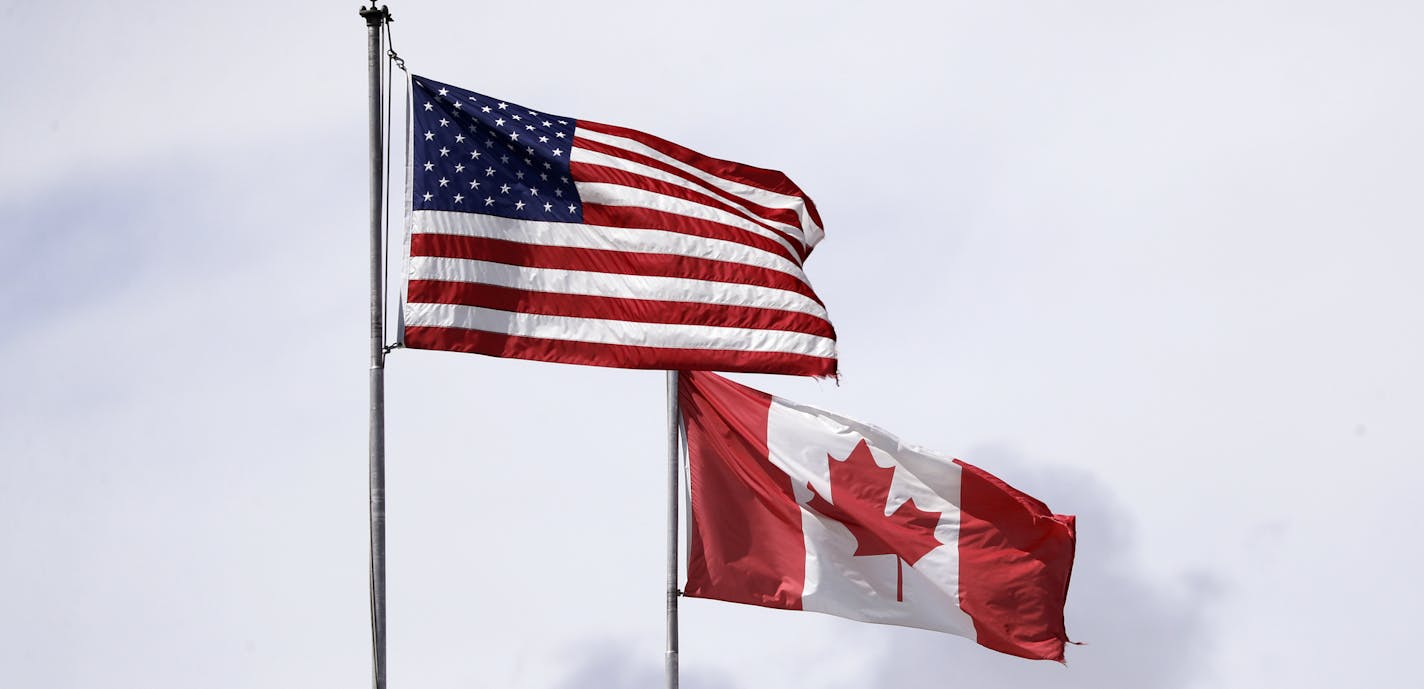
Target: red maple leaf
x,y
862,490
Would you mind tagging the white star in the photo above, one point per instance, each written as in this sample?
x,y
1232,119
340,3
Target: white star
x,y
489,143
459,105
547,123
533,191
504,188
504,159
548,207
444,122
520,175
444,151
444,92
558,192
558,151
530,127
428,106
428,196
475,184
474,155
489,172
429,136
519,205
529,150
470,97
531,112
444,182
485,109
429,167
548,166
559,134
459,198
504,106
489,200
499,122
459,167
514,136
563,179
544,176
543,139
459,138
571,208
518,117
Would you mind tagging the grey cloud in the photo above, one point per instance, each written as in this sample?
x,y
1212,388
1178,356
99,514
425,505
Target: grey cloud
x,y
614,665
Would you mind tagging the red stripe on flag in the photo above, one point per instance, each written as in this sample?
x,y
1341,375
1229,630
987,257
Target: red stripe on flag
x,y
745,543
614,308
637,218
771,180
617,356
1015,558
598,261
587,172
783,215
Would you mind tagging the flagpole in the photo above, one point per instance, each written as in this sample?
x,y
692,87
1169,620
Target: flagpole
x,y
375,20
670,662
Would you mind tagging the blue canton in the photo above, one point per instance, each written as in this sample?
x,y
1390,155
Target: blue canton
x,y
478,154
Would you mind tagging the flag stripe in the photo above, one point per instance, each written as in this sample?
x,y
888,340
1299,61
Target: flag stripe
x,y
635,218
614,262
744,531
609,285
587,174
623,196
1015,557
587,236
610,332
610,308
769,187
620,356
596,153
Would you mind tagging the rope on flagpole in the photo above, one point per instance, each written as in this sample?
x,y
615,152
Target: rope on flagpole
x,y
392,58
385,210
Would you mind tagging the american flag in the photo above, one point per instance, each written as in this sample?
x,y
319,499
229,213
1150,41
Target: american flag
x,y
539,236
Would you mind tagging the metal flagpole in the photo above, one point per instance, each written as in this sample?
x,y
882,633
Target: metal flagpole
x,y
375,20
670,667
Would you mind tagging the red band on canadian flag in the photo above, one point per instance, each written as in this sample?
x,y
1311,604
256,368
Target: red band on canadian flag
x,y
794,507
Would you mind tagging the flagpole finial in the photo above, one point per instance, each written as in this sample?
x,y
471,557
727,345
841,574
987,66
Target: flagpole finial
x,y
375,16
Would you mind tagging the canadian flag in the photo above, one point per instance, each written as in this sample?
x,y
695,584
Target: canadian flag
x,y
798,508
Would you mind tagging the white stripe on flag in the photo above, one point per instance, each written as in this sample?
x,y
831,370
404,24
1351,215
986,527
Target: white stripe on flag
x,y
653,288
619,195
599,238
581,155
762,197
599,331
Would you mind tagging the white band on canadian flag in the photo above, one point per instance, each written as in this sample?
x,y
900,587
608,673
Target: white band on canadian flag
x,y
803,441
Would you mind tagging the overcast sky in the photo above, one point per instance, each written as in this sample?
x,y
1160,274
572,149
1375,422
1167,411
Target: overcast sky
x,y
1157,264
